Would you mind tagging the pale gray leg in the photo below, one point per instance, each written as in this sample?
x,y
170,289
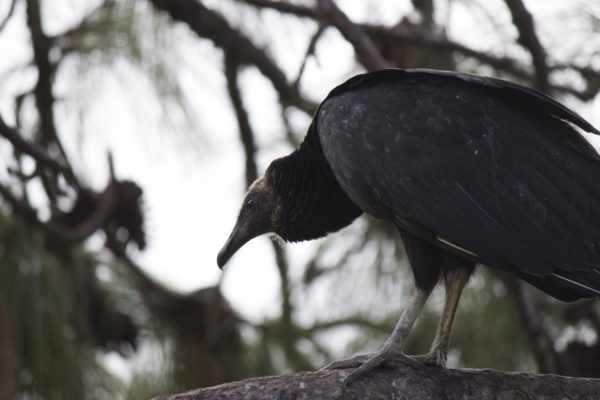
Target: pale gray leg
x,y
455,282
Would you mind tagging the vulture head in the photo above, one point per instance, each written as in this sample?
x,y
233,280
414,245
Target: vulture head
x,y
258,215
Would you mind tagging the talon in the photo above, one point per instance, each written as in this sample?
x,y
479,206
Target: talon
x,y
432,359
352,362
368,364
408,360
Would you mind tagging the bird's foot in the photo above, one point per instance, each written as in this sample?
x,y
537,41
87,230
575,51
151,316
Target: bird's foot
x,y
367,362
352,362
433,358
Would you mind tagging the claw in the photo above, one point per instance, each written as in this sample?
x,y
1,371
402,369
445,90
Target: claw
x,y
365,363
433,358
353,362
381,359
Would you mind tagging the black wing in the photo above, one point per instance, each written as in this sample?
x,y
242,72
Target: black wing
x,y
487,166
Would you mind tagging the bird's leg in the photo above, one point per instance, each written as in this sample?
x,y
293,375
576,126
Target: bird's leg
x,y
391,355
455,278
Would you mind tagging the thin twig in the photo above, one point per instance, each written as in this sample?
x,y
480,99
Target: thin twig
x,y
320,326
310,50
246,135
8,15
284,7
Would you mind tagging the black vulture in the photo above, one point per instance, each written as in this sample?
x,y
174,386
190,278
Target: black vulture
x,y
470,169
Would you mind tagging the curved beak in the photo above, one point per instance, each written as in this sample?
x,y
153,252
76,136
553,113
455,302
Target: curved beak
x,y
239,236
250,224
254,220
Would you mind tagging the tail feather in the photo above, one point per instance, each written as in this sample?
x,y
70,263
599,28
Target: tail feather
x,y
567,286
586,282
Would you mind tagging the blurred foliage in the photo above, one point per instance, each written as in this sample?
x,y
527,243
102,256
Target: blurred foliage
x,y
483,324
122,34
44,347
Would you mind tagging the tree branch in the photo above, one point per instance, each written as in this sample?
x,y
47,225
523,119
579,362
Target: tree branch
x,y
246,135
211,25
529,39
284,7
400,35
590,75
35,151
19,207
403,383
356,321
106,206
366,51
44,99
438,42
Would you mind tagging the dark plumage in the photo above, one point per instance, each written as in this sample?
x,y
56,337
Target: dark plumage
x,y
470,169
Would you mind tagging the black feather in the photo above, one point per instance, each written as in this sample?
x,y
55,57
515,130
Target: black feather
x,y
313,203
491,166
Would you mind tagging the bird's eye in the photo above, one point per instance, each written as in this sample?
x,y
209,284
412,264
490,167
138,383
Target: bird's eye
x,y
250,203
